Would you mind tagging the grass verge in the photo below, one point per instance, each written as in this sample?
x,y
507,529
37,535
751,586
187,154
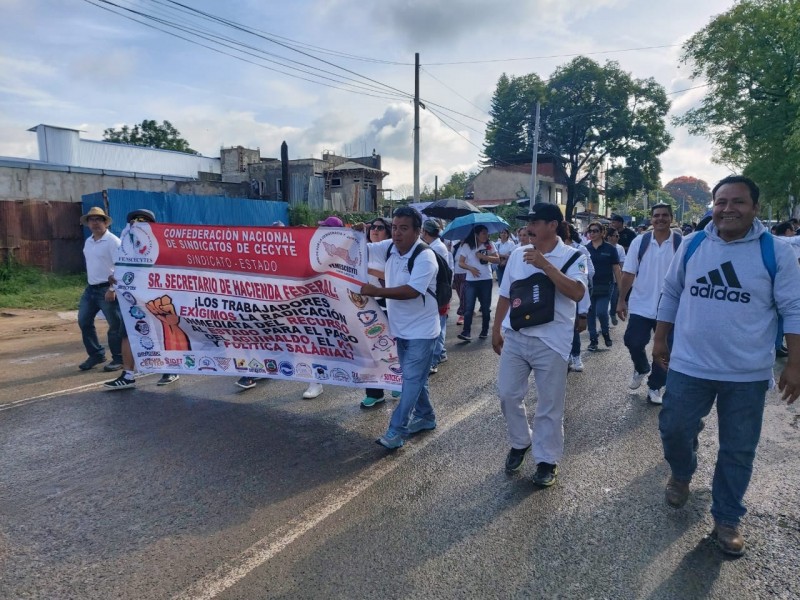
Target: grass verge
x,y
30,288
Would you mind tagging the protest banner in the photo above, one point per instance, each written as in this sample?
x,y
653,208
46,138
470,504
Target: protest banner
x,y
278,302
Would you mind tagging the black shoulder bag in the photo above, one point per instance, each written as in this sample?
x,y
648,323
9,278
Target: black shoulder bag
x,y
533,299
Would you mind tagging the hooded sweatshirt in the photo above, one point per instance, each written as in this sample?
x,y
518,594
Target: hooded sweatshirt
x,y
724,306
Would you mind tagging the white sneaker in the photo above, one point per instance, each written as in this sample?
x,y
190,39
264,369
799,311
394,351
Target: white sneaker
x,y
654,396
577,364
314,390
570,362
636,380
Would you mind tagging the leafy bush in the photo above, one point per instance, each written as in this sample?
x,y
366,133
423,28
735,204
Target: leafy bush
x,y
28,287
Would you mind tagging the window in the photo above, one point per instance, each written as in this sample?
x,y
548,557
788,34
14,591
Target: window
x,y
336,182
279,185
559,197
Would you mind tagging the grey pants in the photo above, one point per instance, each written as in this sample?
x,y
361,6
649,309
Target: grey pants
x,y
521,355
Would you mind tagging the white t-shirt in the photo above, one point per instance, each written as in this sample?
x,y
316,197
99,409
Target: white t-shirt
x,y
558,333
417,318
505,248
472,260
438,246
100,257
647,285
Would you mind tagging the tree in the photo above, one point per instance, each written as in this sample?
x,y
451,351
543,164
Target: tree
x,y
508,134
151,134
457,184
751,111
590,114
691,195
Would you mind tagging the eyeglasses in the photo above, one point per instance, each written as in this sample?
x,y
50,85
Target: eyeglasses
x,y
377,227
593,230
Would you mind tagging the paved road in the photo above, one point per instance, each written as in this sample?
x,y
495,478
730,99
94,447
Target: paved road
x,y
198,490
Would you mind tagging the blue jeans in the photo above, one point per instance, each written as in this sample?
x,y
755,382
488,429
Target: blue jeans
x,y
637,336
439,351
92,302
740,410
415,361
598,310
478,290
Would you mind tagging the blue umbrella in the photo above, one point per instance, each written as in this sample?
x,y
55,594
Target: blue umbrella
x,y
462,226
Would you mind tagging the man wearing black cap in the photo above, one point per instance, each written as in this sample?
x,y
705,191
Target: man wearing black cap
x,y
541,285
127,380
626,234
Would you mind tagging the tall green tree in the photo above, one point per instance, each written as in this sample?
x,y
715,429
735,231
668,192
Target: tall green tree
x,y
591,114
749,58
508,134
151,134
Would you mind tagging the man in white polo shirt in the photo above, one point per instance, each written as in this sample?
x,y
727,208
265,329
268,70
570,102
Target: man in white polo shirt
x,y
413,320
547,270
646,276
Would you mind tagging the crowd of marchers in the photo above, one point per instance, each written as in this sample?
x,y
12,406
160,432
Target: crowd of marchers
x,y
718,301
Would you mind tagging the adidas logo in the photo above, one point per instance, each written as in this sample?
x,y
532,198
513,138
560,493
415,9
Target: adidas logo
x,y
720,284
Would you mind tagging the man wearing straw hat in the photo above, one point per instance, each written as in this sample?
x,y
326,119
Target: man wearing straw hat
x,y
100,251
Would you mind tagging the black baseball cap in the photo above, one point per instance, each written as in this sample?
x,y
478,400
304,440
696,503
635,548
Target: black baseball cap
x,y
617,218
543,211
143,213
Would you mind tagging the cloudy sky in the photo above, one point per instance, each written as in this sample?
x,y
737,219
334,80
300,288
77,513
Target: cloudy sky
x,y
74,63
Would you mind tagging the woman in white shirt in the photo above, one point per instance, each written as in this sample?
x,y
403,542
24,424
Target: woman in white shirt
x,y
475,255
504,249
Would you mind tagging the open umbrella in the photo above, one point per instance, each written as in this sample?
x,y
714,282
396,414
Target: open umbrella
x,y
462,226
450,208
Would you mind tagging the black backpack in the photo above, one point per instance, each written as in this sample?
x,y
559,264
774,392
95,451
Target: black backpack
x,y
444,277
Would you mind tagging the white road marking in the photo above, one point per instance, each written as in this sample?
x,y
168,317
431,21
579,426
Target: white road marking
x,y
30,359
273,544
80,388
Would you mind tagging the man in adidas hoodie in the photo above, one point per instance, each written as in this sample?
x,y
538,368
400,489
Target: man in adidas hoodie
x,y
722,302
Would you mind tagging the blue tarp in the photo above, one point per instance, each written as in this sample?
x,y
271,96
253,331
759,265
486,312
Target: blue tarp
x,y
189,210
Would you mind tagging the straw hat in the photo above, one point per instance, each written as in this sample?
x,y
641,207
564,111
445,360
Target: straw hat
x,y
96,211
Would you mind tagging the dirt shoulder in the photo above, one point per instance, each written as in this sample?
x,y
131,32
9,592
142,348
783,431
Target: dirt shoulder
x,y
22,324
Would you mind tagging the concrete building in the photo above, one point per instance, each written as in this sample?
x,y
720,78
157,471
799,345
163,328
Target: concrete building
x,y
495,186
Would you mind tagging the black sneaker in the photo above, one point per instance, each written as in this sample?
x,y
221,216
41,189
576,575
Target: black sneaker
x,y
515,459
91,362
114,365
545,475
465,336
782,351
593,346
120,383
246,382
614,320
168,378
607,340
483,335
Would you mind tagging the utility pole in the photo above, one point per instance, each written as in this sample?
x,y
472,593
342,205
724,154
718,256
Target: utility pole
x,y
435,188
416,127
534,160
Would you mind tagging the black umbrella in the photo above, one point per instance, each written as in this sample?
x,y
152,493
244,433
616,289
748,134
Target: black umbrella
x,y
450,208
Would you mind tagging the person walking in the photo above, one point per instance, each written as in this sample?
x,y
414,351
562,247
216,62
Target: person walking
x,y
567,233
127,379
504,249
644,270
626,234
100,252
380,229
612,237
413,321
721,299
559,272
431,230
605,260
475,256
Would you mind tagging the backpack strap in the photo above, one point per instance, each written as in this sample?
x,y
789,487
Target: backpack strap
x,y
571,261
677,238
693,245
420,247
768,254
644,244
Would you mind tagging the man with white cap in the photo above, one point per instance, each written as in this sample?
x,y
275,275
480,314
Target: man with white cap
x,y
100,251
